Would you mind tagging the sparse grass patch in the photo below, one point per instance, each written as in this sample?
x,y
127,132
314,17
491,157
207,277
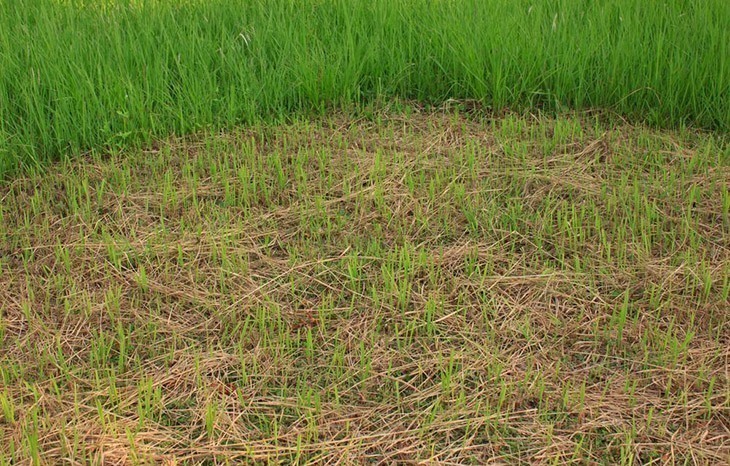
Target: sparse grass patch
x,y
397,288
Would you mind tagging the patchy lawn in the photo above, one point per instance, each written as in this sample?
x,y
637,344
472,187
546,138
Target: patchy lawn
x,y
423,287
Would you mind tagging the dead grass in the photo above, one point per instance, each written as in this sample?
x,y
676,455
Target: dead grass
x,y
421,288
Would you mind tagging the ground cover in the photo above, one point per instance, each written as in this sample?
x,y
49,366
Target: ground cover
x,y
398,287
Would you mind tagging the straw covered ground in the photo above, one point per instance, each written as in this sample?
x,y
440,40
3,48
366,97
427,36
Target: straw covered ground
x,y
398,287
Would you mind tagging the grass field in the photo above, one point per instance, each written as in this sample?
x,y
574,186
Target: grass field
x,y
83,74
396,288
364,232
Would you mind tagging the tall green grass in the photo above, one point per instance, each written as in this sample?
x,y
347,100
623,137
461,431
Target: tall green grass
x,y
76,75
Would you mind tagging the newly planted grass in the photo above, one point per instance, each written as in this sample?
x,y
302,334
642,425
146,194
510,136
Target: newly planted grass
x,y
78,74
397,288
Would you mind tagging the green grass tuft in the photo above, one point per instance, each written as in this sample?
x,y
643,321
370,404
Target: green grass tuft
x,y
77,75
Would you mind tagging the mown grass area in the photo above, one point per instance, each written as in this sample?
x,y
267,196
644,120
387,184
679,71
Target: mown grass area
x,y
83,74
398,288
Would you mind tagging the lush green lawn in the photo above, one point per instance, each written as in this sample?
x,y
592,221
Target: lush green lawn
x,y
87,74
398,288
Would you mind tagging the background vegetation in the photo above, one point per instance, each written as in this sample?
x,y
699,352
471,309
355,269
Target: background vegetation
x,y
76,75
